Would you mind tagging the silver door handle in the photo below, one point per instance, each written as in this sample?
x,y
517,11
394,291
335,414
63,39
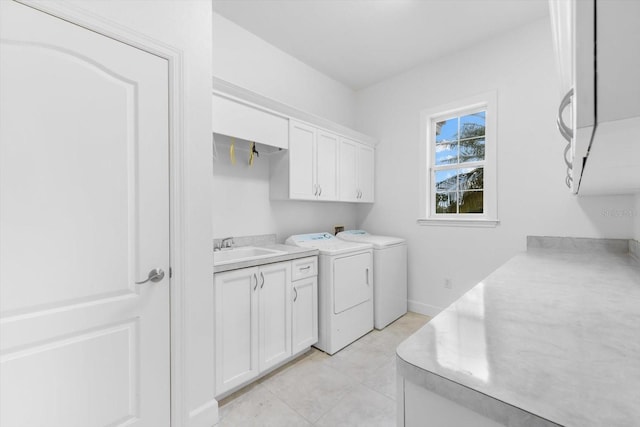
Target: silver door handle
x,y
320,190
565,130
154,276
315,189
367,270
256,279
262,277
295,297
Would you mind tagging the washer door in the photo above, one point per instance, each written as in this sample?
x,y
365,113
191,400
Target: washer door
x,y
352,281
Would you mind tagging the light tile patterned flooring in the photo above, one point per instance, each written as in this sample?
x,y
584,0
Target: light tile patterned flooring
x,y
354,387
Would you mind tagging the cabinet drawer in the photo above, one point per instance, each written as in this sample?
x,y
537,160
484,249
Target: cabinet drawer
x,y
304,267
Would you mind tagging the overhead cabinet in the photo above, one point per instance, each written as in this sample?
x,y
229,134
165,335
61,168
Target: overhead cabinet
x,y
313,159
236,118
356,172
599,116
321,165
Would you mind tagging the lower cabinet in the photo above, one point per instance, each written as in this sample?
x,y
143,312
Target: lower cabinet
x,y
262,319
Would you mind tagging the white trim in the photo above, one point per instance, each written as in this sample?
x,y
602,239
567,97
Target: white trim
x,y
489,218
203,415
422,308
175,58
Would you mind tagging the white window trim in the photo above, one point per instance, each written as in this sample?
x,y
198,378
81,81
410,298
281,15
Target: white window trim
x,y
489,218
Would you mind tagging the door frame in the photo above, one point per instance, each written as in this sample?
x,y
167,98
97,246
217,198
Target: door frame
x,y
179,411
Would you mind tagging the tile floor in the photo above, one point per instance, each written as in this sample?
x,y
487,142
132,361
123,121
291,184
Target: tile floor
x,y
354,387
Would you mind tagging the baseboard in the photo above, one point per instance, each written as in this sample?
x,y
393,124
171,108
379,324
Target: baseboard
x,y
422,308
204,415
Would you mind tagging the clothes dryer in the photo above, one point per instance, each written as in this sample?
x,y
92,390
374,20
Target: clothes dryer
x,y
345,289
389,274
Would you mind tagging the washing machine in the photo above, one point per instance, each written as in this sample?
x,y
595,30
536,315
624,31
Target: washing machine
x,y
389,274
345,288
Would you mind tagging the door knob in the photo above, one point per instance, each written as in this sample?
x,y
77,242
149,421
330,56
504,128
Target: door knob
x,y
155,276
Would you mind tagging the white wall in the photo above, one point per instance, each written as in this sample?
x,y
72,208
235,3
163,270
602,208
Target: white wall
x,y
186,25
242,206
636,217
246,60
241,194
532,197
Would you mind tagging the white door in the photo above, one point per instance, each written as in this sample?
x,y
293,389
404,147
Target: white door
x,y
236,294
84,214
302,161
348,177
327,165
304,324
366,160
275,314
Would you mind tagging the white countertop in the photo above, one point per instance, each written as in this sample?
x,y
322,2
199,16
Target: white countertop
x,y
551,337
290,253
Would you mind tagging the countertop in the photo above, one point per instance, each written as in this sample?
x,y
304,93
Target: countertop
x,y
291,252
550,338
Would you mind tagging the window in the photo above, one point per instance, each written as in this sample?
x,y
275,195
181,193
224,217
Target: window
x,y
458,147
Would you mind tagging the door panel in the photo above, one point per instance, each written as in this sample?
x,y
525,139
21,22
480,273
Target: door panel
x,y
327,165
275,314
302,160
236,294
348,171
366,160
352,283
305,313
84,214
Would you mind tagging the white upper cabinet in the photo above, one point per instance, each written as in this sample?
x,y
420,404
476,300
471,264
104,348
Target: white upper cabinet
x,y
356,171
313,157
602,108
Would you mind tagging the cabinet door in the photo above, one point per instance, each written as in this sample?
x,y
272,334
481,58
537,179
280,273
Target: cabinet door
x,y
302,161
348,171
305,314
236,294
275,314
366,161
327,165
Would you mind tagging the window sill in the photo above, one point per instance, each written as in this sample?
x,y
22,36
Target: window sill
x,y
458,222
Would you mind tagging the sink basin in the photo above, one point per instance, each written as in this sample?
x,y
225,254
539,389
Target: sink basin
x,y
243,253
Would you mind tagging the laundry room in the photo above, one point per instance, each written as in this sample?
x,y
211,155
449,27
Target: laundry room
x,y
239,213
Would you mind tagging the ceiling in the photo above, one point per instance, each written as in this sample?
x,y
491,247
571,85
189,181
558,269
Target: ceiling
x,y
361,42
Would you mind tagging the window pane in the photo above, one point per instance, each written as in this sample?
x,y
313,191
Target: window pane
x,y
446,202
447,181
471,179
446,153
447,130
472,150
471,201
472,125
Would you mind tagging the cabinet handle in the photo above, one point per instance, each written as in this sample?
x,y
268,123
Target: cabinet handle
x,y
256,279
565,130
367,273
566,161
320,190
305,268
295,296
262,277
315,192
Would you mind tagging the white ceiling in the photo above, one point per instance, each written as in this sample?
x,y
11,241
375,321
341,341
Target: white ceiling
x,y
361,42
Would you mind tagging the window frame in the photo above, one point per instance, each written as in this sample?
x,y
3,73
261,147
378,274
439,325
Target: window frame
x,y
427,216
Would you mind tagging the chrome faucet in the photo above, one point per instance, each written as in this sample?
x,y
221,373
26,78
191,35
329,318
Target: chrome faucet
x,y
224,243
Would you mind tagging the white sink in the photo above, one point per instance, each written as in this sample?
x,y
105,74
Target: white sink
x,y
243,253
